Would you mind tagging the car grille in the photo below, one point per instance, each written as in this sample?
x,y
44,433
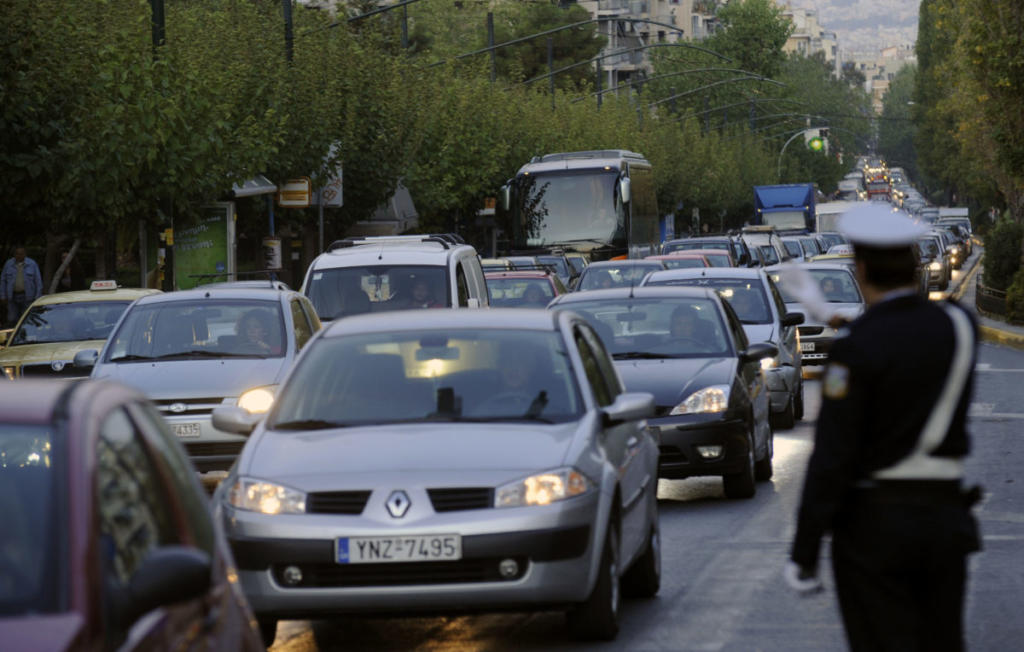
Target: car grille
x,y
46,370
453,500
337,502
464,571
671,455
211,448
810,330
191,405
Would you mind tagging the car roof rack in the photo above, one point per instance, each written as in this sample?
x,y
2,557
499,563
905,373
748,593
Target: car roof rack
x,y
550,269
257,281
446,240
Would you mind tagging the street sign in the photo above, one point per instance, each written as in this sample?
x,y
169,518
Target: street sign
x,y
295,193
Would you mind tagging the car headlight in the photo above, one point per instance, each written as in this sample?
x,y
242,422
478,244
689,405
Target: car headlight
x,y
9,372
710,399
542,489
266,497
935,266
955,250
258,400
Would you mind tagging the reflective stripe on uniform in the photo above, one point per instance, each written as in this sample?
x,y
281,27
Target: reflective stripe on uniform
x,y
920,464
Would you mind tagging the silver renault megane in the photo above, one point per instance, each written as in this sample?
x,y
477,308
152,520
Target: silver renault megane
x,y
447,461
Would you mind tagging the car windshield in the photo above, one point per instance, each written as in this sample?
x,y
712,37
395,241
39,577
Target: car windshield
x,y
794,248
69,322
519,292
656,328
560,264
578,264
682,263
214,328
746,296
28,540
695,244
464,374
832,239
345,291
837,285
599,278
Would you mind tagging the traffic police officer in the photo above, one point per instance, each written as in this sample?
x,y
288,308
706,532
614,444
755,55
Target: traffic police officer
x,y
885,475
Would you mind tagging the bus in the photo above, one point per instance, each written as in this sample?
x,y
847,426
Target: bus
x,y
599,203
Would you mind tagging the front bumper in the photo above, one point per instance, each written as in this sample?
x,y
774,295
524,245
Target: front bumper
x,y
210,449
679,438
814,350
552,547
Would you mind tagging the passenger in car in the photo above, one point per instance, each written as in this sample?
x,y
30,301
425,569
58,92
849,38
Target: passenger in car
x,y
255,333
533,296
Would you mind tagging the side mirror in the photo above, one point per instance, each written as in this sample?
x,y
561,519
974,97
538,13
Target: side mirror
x,y
86,359
793,319
759,351
624,190
5,335
506,197
472,302
234,419
168,575
630,406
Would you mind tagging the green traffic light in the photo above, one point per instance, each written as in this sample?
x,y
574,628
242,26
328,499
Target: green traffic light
x,y
816,144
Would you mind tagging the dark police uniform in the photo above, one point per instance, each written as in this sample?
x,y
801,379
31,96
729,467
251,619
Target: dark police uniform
x,y
885,475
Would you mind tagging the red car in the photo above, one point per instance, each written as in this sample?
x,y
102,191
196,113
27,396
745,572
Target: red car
x,y
681,259
107,539
523,289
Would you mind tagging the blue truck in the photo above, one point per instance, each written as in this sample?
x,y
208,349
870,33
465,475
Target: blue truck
x,y
787,207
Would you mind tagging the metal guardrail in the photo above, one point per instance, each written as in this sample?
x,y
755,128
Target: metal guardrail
x,y
989,299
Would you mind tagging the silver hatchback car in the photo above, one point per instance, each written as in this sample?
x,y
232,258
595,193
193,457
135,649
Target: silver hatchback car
x,y
447,461
193,350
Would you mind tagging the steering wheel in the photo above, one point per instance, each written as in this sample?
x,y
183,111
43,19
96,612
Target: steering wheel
x,y
696,342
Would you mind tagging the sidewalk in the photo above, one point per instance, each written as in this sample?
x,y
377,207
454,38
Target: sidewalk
x,y
992,329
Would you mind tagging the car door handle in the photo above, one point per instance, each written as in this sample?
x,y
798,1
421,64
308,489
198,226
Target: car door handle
x,y
632,442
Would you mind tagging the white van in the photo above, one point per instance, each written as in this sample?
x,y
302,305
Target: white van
x,y
376,274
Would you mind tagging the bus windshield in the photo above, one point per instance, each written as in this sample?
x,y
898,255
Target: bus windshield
x,y
576,208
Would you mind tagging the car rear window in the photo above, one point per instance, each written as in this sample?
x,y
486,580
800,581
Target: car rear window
x,y
746,296
519,292
599,278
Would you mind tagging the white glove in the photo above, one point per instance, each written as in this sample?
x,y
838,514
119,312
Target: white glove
x,y
800,581
802,286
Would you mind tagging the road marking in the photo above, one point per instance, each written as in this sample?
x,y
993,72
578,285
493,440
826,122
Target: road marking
x,y
984,366
980,409
998,416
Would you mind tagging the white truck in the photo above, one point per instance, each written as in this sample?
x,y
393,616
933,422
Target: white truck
x,y
827,215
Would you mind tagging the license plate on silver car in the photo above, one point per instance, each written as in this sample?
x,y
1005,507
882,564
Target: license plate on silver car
x,y
185,429
807,347
382,550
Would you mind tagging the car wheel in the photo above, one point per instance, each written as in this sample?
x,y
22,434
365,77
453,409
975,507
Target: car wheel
x,y
643,579
597,619
268,630
798,407
763,469
741,484
787,418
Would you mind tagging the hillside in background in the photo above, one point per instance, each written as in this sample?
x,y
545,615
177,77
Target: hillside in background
x,y
866,26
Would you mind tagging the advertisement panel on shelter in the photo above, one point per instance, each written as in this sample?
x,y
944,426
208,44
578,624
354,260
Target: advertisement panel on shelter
x,y
204,247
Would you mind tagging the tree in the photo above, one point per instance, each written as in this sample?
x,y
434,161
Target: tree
x,y
896,130
753,33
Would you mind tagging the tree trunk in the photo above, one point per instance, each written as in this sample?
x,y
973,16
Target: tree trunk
x,y
64,265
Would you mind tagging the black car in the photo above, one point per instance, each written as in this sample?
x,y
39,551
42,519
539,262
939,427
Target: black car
x,y
687,347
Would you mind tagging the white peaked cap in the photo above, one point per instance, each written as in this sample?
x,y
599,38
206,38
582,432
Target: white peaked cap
x,y
876,224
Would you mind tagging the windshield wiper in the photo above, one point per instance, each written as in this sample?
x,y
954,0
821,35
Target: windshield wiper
x,y
641,355
198,353
131,356
307,424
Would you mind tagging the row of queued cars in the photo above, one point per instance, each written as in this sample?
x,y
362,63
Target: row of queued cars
x,y
414,461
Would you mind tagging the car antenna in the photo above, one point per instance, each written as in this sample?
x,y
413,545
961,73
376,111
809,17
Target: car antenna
x,y
380,254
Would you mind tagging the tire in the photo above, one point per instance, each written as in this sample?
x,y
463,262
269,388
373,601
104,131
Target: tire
x,y
597,619
643,579
741,484
787,418
268,630
763,469
798,407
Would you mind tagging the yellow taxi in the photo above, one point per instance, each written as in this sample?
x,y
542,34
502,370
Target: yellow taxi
x,y
55,327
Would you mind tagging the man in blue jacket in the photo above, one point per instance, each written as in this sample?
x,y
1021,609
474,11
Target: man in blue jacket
x,y
20,284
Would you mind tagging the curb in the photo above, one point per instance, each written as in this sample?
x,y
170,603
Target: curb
x,y
988,333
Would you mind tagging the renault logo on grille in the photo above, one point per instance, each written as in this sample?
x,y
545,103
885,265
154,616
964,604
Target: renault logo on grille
x,y
398,504
177,408
57,365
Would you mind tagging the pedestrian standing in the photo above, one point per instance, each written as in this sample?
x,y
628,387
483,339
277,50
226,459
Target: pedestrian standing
x,y
885,476
20,284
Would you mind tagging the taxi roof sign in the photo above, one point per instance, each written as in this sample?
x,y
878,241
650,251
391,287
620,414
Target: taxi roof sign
x,y
103,285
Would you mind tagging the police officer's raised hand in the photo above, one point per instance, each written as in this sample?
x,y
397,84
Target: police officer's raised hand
x,y
801,579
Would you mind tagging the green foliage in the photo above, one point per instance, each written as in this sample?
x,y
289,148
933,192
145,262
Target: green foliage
x,y
1015,298
1002,253
896,130
753,34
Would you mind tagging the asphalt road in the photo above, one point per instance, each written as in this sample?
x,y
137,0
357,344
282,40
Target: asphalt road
x,y
722,559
